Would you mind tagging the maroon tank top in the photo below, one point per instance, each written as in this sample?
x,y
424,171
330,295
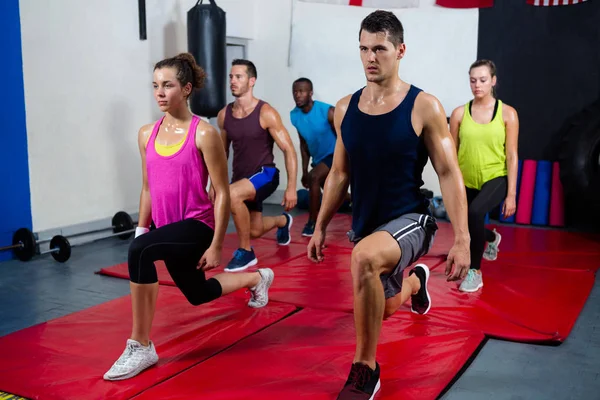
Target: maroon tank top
x,y
252,144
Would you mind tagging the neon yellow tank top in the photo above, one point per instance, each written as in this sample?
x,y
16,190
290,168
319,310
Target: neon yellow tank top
x,y
481,151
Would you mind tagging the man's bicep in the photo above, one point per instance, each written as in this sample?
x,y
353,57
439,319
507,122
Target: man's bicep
x,y
455,125
224,139
271,121
281,137
339,112
438,140
221,119
340,157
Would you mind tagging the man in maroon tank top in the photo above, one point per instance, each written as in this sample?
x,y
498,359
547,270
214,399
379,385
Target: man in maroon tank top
x,y
252,126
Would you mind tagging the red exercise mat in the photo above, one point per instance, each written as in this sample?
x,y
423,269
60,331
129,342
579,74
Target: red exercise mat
x,y
542,304
527,241
66,358
518,302
308,355
569,261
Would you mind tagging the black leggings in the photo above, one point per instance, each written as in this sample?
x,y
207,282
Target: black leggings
x,y
180,245
482,202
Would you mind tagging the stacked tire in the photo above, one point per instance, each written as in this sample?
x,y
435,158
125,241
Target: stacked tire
x,y
579,158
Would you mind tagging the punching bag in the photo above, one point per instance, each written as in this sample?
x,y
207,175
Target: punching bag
x,y
207,43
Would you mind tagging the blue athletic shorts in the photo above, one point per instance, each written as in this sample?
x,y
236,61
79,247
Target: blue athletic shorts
x,y
327,161
265,183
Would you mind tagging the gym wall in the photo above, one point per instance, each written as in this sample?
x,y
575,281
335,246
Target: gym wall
x,y
15,206
441,44
88,88
88,83
548,61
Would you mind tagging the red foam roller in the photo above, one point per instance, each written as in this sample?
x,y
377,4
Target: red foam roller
x,y
524,208
557,202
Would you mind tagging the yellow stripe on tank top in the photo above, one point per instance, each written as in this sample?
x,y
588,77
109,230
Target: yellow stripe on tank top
x,y
169,149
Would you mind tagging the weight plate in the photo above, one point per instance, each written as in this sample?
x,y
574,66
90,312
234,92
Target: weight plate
x,y
64,248
122,222
24,236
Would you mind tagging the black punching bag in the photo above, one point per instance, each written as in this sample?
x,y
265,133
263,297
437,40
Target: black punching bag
x,y
207,43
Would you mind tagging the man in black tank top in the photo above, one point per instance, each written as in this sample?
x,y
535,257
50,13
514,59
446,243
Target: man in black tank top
x,y
386,132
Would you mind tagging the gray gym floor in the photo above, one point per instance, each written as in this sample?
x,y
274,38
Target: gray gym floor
x,y
43,289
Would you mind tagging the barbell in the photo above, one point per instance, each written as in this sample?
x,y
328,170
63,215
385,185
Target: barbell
x,y
24,243
122,226
24,246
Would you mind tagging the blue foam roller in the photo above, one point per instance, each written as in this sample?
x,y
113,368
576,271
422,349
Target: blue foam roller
x,y
540,212
511,219
487,218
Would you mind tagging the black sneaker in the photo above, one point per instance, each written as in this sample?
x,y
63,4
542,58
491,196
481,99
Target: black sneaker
x,y
362,384
284,236
421,302
309,229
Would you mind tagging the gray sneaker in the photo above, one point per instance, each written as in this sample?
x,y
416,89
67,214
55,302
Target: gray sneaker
x,y
134,360
260,293
491,252
472,283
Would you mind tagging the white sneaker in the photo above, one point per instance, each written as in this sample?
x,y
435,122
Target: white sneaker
x,y
260,293
134,360
491,252
472,283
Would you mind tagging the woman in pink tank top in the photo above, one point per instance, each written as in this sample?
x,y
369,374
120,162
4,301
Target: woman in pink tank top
x,y
179,153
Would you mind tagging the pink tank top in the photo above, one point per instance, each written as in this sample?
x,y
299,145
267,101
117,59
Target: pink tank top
x,y
178,182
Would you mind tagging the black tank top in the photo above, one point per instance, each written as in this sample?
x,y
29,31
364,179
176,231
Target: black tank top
x,y
386,164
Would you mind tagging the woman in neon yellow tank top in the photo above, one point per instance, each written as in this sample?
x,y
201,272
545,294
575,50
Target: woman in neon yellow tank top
x,y
486,134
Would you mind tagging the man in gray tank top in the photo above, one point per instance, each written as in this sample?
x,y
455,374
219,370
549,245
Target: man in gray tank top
x,y
252,126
